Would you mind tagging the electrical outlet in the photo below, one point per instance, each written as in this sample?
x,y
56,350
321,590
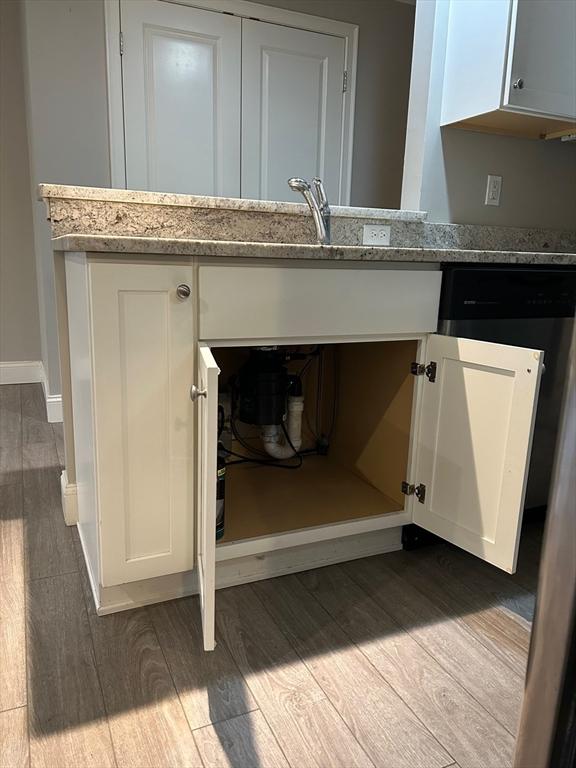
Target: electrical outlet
x,y
493,190
376,234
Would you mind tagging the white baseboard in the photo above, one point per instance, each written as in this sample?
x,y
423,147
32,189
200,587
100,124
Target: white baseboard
x,y
32,372
246,569
21,372
69,495
54,408
53,402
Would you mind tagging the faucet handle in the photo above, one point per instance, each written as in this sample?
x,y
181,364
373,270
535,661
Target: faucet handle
x,y
321,194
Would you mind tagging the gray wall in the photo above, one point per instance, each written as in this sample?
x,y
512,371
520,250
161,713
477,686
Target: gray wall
x,y
385,50
19,325
445,169
65,57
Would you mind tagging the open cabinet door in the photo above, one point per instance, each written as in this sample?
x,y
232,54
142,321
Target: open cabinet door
x,y
477,417
206,396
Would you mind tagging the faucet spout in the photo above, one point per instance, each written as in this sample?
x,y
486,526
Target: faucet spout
x,y
323,203
318,207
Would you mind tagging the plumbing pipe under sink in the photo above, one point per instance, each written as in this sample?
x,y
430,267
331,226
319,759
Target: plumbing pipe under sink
x,y
272,434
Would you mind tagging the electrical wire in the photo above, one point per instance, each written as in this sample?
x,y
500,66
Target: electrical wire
x,y
335,355
307,364
242,440
270,463
319,384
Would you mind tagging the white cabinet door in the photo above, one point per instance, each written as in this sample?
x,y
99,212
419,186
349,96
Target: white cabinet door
x,y
474,443
292,110
543,57
181,78
143,364
207,383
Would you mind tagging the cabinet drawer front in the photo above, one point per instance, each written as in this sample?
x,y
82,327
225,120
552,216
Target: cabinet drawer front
x,y
252,302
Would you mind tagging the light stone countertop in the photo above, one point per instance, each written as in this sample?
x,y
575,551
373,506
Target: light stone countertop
x,y
256,250
121,213
65,192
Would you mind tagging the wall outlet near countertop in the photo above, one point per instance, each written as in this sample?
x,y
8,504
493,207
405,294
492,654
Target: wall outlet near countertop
x,y
376,234
493,190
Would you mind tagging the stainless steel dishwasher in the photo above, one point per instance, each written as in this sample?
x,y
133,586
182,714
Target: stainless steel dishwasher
x,y
527,307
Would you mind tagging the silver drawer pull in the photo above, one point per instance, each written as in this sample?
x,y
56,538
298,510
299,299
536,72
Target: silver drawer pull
x,y
195,393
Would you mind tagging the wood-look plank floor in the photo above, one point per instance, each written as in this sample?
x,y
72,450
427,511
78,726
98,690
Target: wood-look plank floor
x,y
407,659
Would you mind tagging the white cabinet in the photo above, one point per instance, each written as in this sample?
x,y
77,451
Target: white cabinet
x,y
138,373
542,58
510,66
455,425
217,104
422,428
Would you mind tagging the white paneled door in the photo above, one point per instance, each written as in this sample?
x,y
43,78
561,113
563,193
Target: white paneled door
x,y
207,415
181,80
292,109
143,359
216,104
477,417
543,57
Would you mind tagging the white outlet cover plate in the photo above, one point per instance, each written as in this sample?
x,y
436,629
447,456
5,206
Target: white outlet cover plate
x,y
493,190
376,234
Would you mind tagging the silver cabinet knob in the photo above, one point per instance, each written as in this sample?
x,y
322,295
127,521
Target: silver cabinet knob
x,y
183,291
518,84
195,393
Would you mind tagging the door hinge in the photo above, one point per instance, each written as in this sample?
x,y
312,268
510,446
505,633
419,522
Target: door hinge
x,y
345,81
121,44
414,490
419,369
407,488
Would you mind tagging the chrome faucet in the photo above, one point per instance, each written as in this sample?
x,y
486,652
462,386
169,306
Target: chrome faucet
x,y
318,204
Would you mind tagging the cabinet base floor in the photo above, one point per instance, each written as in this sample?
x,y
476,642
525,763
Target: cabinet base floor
x,y
261,501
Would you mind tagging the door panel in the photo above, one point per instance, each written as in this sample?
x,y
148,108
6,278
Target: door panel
x,y
143,364
181,78
292,105
207,466
474,444
544,57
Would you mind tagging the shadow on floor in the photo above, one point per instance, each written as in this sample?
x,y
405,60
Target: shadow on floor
x,y
142,677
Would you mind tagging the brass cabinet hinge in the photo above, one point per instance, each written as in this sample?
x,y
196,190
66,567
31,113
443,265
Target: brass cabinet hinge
x,y
419,369
414,490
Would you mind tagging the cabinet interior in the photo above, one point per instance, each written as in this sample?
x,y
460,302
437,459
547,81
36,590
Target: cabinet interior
x,y
360,396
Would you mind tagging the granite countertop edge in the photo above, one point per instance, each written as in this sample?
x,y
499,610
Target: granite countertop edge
x,y
239,249
65,192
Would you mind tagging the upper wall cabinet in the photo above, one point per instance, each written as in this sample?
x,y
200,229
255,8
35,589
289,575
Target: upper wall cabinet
x,y
511,66
215,103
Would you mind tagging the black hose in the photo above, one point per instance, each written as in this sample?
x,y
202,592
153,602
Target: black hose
x,y
241,440
262,462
